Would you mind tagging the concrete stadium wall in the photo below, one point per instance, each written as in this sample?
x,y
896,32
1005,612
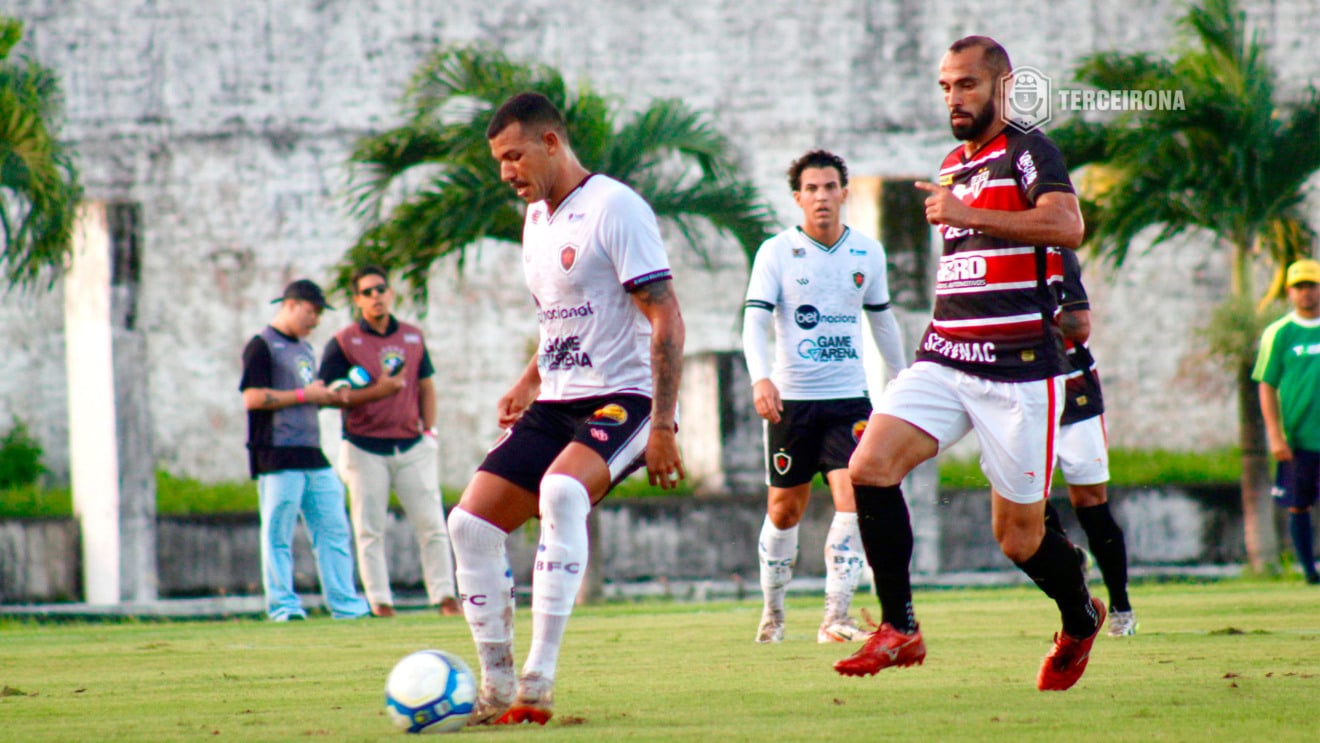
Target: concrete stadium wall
x,y
230,122
650,541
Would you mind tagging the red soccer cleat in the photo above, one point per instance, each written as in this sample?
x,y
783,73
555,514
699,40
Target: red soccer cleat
x,y
535,702
1067,660
886,647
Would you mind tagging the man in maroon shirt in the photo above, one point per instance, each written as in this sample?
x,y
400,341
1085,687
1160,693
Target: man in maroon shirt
x,y
390,442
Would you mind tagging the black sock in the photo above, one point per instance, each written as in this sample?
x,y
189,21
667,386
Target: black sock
x,y
1106,539
1055,569
886,529
1052,519
1299,526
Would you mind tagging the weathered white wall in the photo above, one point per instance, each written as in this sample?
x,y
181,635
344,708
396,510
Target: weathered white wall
x,y
230,121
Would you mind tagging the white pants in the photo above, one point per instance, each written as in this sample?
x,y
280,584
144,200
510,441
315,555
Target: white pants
x,y
1084,452
415,479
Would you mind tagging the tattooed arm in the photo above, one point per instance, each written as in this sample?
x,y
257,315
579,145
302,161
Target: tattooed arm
x,y
659,304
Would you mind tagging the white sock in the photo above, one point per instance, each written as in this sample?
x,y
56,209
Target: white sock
x,y
561,565
777,551
485,590
844,562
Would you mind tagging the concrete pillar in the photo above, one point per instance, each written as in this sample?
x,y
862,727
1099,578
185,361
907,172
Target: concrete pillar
x,y
719,431
111,466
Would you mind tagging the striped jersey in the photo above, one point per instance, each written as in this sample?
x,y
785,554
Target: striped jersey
x,y
1082,385
994,303
818,293
581,263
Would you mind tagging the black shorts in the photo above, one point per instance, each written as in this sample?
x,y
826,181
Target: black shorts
x,y
813,436
616,427
1297,483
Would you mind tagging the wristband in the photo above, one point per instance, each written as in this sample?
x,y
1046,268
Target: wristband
x,y
433,431
300,395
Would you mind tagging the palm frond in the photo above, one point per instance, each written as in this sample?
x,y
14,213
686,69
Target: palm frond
x,y
428,189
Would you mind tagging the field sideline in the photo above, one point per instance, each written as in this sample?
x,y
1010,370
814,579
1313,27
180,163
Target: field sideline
x,y
1234,660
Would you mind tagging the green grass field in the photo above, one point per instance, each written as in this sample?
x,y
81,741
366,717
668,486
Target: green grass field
x,y
1228,661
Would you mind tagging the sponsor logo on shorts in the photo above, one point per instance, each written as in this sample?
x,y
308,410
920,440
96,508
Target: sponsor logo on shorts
x,y
599,434
859,428
610,415
828,348
567,257
782,462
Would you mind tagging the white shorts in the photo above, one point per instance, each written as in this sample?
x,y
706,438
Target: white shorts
x,y
1083,449
1015,422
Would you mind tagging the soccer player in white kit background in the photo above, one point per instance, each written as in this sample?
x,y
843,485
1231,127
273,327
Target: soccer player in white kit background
x,y
597,401
814,283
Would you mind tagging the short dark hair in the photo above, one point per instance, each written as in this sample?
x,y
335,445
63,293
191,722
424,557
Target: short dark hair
x,y
995,56
532,110
816,159
365,271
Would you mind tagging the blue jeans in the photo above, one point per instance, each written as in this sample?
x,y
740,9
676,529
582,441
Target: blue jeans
x,y
319,496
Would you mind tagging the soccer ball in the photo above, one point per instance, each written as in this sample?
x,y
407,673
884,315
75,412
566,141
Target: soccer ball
x,y
430,691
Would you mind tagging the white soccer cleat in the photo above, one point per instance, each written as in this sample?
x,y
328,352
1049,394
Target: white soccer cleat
x,y
1122,624
841,630
772,627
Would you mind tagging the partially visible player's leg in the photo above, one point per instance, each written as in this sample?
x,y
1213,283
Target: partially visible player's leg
x,y
479,527
777,552
844,562
607,445
889,449
1303,495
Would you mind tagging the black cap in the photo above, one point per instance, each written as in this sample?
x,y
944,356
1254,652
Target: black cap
x,y
307,290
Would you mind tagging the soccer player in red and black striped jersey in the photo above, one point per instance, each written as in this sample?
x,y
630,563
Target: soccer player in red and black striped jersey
x,y
990,361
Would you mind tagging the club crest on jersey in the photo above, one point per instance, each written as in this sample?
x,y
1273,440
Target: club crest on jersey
x,y
782,462
391,360
859,278
567,257
305,371
858,429
610,415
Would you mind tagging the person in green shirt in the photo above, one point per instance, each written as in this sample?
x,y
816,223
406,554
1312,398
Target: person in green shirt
x,y
1288,370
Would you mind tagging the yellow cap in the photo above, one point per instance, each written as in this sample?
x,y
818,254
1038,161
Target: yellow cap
x,y
1303,270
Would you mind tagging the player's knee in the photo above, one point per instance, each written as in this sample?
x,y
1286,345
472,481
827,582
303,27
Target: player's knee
x,y
874,468
563,498
1020,544
471,534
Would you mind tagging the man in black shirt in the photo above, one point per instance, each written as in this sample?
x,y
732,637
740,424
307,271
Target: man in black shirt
x,y
282,395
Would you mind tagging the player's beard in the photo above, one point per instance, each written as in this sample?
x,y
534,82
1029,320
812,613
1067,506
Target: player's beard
x,y
978,125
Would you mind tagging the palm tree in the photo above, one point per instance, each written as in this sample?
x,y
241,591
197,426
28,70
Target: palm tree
x,y
1233,162
39,188
445,189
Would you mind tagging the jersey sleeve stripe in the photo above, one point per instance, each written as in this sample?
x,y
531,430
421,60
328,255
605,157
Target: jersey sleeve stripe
x,y
759,305
876,307
647,278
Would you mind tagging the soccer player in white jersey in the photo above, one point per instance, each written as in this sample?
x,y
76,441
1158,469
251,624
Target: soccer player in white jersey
x,y
815,282
597,401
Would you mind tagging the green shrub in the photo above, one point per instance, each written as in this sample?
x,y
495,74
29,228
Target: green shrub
x,y
20,458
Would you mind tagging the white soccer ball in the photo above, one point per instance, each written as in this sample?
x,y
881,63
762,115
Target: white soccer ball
x,y
358,377
430,691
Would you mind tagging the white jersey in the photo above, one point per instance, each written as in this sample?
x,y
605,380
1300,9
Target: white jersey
x,y
818,294
580,264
